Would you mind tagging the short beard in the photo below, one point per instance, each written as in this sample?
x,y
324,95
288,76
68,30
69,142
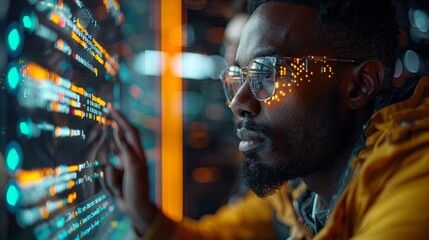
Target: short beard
x,y
266,177
263,179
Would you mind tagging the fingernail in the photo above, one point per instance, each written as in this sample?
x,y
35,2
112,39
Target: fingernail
x,y
114,125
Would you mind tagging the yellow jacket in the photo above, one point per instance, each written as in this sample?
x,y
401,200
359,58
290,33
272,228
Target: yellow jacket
x,y
387,197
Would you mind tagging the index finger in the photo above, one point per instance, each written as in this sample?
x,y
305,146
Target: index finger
x,y
119,118
125,131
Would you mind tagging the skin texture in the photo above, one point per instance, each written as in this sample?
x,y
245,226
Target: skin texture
x,y
309,133
128,183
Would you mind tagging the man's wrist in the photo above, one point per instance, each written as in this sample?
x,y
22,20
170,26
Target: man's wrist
x,y
144,220
160,227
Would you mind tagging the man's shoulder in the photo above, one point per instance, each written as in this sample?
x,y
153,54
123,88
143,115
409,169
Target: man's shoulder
x,y
398,128
397,145
390,176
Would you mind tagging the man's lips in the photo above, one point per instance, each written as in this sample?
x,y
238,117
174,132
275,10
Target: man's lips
x,y
250,140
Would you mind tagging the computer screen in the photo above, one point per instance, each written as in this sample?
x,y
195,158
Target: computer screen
x,y
60,70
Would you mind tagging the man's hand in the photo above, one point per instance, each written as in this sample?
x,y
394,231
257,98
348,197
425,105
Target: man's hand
x,y
128,183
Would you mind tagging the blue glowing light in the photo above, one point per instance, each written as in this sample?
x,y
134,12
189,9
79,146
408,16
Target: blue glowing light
x,y
12,195
60,222
421,20
14,39
13,77
12,159
13,156
412,61
23,127
29,20
26,21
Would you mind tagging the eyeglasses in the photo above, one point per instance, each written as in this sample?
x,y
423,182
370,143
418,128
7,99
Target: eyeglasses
x,y
263,74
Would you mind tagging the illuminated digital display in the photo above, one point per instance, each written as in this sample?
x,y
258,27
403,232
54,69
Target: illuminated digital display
x,y
60,76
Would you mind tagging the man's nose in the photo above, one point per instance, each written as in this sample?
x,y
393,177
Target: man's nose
x,y
244,101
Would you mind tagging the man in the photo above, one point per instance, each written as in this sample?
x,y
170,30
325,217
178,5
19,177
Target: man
x,y
310,86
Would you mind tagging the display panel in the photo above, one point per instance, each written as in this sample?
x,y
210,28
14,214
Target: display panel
x,y
61,73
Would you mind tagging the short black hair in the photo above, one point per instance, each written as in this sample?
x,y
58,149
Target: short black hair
x,y
356,29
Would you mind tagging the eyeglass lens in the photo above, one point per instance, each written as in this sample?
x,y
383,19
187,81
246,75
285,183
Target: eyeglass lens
x,y
262,72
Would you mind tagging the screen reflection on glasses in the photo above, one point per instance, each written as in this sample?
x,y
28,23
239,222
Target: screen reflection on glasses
x,y
264,74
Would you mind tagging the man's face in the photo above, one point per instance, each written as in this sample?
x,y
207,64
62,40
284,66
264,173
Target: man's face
x,y
300,133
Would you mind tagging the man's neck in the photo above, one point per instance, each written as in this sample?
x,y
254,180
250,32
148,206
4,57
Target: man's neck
x,y
325,181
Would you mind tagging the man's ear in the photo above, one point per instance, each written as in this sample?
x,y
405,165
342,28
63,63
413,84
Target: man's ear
x,y
367,81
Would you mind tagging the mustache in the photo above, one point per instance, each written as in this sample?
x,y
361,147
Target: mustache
x,y
252,126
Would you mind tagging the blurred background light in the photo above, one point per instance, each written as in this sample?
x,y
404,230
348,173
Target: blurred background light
x,y
25,127
13,196
135,91
399,68
193,66
13,156
29,20
419,24
149,63
198,66
14,38
419,19
198,135
206,174
215,111
412,61
13,77
188,65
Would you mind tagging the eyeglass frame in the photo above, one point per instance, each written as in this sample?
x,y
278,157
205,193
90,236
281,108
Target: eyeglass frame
x,y
243,79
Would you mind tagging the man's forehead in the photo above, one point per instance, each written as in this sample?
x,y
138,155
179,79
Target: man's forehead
x,y
278,27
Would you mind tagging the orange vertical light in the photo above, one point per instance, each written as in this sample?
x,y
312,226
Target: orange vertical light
x,y
171,116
